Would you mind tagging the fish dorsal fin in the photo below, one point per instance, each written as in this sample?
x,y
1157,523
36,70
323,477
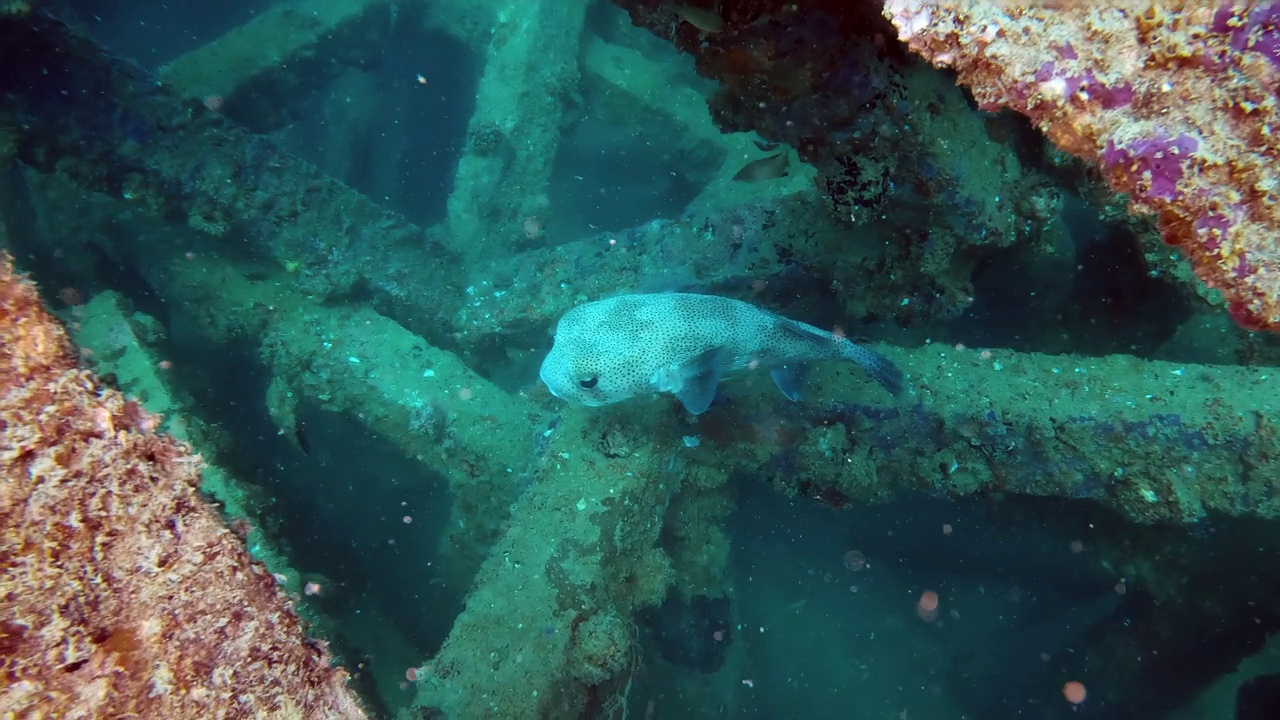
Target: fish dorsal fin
x,y
699,379
806,332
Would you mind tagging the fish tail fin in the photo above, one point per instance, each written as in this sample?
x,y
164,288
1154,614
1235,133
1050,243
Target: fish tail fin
x,y
880,368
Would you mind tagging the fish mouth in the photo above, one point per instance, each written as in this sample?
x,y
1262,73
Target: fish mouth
x,y
551,387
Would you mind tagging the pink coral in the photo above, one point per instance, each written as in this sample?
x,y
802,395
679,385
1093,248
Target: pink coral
x,y
1179,104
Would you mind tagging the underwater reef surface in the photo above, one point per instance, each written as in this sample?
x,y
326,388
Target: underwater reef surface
x,y
124,591
1076,489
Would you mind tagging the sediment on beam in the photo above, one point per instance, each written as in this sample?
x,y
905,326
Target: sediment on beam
x,y
651,88
110,128
287,49
348,359
737,250
530,70
1155,441
562,584
466,21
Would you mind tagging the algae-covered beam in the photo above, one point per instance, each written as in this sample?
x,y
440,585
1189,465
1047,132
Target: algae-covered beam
x,y
630,83
122,594
547,630
257,70
888,136
1155,441
761,249
112,128
530,75
109,127
349,359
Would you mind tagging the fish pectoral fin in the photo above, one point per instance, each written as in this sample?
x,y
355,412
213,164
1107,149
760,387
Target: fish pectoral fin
x,y
790,379
701,378
698,393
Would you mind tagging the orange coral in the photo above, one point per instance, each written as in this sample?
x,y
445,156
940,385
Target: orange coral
x,y
121,592
1176,101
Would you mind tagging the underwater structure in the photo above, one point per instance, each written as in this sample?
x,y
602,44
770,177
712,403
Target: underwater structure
x,y
527,559
125,593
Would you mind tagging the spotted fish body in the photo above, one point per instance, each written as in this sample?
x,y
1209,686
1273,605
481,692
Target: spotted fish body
x,y
683,343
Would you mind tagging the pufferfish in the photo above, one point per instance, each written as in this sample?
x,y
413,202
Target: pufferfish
x,y
621,347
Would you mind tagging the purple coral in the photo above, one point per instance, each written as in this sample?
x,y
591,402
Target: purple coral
x,y
1109,96
1211,229
1153,166
1258,31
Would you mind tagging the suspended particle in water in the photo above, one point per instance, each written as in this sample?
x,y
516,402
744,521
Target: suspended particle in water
x,y
1074,692
927,606
855,561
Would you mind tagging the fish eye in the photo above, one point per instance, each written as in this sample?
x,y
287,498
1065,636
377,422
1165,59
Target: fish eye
x,y
589,382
